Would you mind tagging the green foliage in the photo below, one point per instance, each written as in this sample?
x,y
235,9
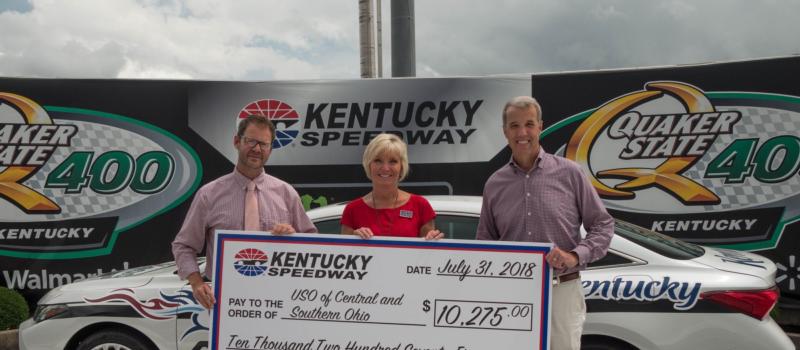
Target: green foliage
x,y
13,309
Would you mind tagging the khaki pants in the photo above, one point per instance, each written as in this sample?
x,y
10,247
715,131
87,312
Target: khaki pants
x,y
568,314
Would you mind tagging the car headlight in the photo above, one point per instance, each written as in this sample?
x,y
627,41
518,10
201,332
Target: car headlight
x,y
44,312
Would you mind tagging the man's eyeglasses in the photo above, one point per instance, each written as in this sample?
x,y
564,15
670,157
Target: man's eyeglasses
x,y
253,142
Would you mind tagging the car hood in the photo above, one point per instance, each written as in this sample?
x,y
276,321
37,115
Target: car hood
x,y
127,279
739,262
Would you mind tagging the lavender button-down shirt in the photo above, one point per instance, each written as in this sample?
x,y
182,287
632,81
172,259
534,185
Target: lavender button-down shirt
x,y
219,205
547,204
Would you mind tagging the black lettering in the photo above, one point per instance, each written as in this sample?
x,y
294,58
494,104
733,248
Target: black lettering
x,y
337,113
314,257
326,261
444,136
419,116
471,110
310,138
351,138
396,121
356,113
291,259
315,115
365,259
464,135
337,262
351,263
329,136
419,136
277,258
302,260
446,112
381,107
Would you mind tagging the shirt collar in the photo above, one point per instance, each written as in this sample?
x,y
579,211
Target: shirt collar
x,y
242,180
542,161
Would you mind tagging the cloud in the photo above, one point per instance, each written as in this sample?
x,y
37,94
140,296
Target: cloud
x,y
550,35
313,39
168,39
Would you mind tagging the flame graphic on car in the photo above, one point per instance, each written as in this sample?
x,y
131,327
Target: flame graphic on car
x,y
168,306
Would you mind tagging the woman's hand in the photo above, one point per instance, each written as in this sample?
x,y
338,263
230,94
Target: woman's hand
x,y
429,231
363,232
434,235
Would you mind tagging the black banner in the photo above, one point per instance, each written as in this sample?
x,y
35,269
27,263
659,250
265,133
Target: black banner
x,y
705,153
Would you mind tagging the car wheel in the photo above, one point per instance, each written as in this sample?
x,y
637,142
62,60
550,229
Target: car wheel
x,y
113,340
604,343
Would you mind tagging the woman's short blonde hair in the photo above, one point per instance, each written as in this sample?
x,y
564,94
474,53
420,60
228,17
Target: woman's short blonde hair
x,y
386,143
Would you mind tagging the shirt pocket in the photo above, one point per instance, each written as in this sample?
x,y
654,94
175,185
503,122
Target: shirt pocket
x,y
220,219
558,202
276,214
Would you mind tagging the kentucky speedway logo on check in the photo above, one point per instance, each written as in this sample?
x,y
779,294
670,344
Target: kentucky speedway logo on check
x,y
396,293
708,167
72,179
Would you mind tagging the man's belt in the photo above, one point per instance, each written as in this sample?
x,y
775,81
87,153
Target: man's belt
x,y
566,278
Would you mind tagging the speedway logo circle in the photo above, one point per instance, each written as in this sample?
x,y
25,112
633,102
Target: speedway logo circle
x,y
250,262
280,113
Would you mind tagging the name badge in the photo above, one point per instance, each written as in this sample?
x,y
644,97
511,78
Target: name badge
x,y
408,214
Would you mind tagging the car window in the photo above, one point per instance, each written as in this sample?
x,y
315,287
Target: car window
x,y
329,226
458,227
611,259
664,245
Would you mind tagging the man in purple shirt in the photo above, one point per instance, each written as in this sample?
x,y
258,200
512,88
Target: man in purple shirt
x,y
539,197
220,205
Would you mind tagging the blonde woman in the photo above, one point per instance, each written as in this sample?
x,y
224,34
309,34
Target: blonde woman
x,y
387,210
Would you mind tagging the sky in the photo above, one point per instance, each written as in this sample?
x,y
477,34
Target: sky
x,y
257,40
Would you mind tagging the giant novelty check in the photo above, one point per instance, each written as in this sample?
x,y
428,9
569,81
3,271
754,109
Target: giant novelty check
x,y
318,292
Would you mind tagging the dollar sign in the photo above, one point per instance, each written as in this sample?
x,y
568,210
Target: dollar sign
x,y
426,305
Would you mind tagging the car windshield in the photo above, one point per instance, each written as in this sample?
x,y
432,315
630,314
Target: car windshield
x,y
664,245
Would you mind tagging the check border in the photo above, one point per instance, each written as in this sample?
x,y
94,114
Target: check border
x,y
223,236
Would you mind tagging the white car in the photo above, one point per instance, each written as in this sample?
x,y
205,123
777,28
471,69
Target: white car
x,y
650,292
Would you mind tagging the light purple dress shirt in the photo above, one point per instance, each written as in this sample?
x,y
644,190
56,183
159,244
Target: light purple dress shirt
x,y
547,204
219,205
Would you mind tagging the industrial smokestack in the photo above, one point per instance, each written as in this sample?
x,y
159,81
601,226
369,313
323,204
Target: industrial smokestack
x,y
366,36
404,56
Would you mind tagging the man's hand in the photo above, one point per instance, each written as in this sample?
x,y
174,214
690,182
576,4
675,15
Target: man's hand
x,y
560,259
202,291
282,229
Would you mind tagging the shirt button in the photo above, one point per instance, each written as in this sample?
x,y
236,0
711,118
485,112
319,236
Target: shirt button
x,y
529,233
527,176
528,194
529,214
